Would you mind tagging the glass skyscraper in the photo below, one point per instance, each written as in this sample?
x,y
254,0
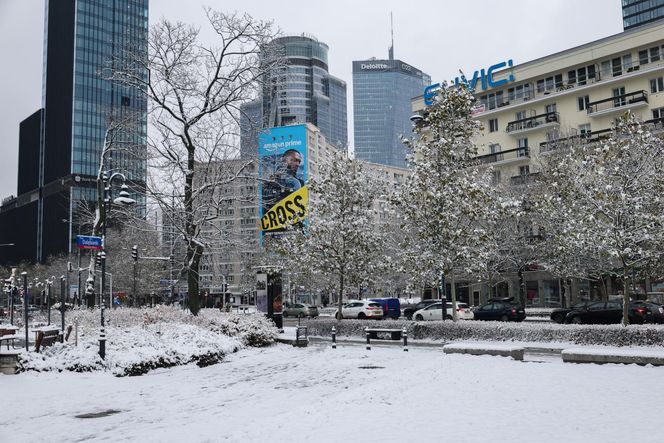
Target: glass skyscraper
x,y
62,143
301,92
382,90
639,12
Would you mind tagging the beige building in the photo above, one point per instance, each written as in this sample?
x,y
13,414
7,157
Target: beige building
x,y
529,109
573,93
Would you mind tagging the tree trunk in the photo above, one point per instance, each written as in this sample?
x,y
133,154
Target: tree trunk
x,y
341,295
522,288
625,320
455,317
567,285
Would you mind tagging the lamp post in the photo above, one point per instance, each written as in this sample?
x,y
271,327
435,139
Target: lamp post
x,y
25,306
123,199
62,301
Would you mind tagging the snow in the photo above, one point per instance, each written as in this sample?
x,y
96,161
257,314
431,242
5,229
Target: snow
x,y
282,393
483,346
613,351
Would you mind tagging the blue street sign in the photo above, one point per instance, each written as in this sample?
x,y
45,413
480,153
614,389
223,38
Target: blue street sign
x,y
88,242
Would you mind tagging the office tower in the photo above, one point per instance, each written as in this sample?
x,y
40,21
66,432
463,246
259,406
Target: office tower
x,y
63,141
302,92
382,91
639,12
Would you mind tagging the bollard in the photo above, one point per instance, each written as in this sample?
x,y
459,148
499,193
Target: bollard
x,y
404,333
366,331
334,337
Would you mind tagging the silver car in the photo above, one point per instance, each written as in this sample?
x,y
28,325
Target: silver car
x,y
300,310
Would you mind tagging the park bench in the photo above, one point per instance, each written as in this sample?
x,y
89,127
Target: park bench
x,y
8,334
47,338
393,333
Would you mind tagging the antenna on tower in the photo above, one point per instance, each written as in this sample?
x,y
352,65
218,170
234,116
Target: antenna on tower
x,y
391,50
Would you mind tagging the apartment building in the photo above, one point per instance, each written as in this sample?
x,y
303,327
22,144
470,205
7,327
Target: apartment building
x,y
529,109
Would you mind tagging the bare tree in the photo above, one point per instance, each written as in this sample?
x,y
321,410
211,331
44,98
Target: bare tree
x,y
195,93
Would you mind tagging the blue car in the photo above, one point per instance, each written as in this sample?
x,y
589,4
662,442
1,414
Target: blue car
x,y
391,307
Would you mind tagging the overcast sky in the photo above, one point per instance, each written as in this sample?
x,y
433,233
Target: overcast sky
x,y
438,36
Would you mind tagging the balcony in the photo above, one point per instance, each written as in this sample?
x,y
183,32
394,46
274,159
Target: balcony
x,y
524,179
535,123
655,125
619,103
502,157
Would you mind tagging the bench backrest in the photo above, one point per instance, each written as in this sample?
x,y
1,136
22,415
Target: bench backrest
x,y
46,338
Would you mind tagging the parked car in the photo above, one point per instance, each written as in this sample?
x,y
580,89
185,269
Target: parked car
x,y
362,309
300,310
435,312
603,312
391,307
558,315
655,312
502,309
410,310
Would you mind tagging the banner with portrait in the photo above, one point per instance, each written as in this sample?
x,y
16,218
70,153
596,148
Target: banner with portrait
x,y
284,199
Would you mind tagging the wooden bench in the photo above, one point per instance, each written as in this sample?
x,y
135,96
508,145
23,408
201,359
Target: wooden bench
x,y
47,338
394,334
8,334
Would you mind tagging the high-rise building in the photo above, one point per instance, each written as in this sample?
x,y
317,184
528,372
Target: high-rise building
x,y
639,12
61,144
382,91
303,91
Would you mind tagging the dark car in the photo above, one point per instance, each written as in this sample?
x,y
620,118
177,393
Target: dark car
x,y
500,309
558,315
603,312
410,310
391,307
655,313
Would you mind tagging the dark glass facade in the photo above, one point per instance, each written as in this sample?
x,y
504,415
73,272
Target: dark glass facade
x,y
301,92
382,90
639,12
60,145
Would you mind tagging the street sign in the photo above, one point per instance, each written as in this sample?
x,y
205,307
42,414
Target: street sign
x,y
88,242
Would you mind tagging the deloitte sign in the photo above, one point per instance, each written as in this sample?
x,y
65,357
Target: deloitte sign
x,y
485,77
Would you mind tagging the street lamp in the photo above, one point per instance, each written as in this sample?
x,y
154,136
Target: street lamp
x,y
122,199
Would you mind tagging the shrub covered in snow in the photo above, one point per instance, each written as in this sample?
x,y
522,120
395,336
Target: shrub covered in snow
x,y
611,335
141,340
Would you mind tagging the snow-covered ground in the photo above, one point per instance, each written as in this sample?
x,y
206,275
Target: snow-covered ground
x,y
318,394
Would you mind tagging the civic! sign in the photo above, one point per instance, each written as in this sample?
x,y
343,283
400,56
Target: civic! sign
x,y
88,242
484,77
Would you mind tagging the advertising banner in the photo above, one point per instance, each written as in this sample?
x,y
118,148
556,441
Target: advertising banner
x,y
284,198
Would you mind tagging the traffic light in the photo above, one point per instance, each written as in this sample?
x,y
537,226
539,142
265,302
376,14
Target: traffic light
x,y
98,259
134,253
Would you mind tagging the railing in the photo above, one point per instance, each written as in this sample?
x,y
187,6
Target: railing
x,y
617,102
523,179
593,136
533,122
511,154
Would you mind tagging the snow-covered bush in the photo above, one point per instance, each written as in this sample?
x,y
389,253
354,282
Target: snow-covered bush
x,y
610,335
141,340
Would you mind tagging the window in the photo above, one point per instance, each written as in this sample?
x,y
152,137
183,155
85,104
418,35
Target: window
x,y
495,177
522,145
583,102
584,129
550,108
524,170
521,92
654,54
619,93
658,113
643,57
657,85
493,124
521,115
